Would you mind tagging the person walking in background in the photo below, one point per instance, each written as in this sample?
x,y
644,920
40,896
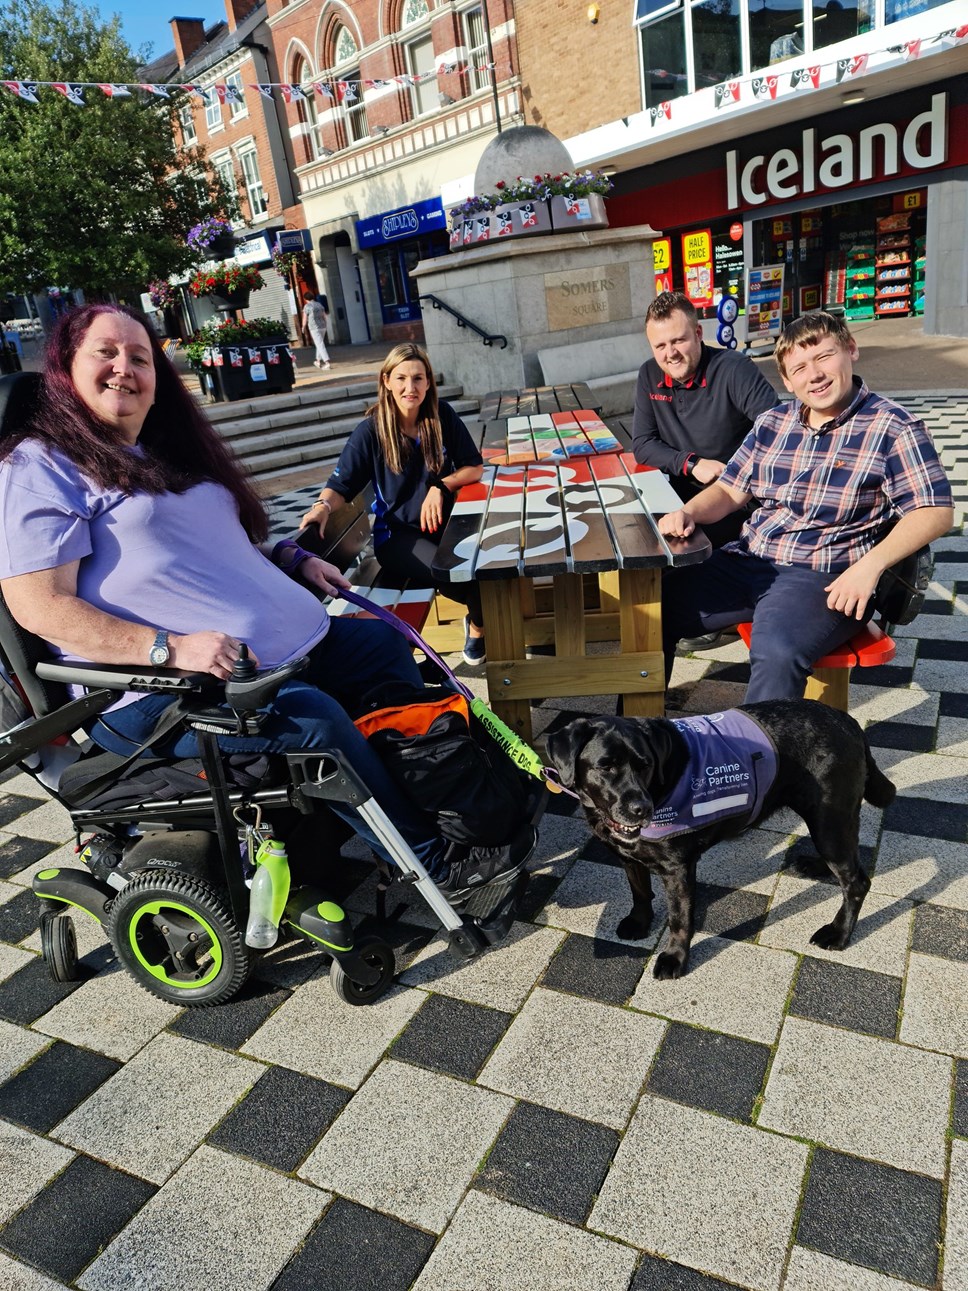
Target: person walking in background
x,y
315,319
417,454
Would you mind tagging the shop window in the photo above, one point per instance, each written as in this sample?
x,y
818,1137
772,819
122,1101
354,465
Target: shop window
x,y
716,41
838,20
239,109
664,59
475,42
187,120
213,111
258,205
776,32
895,10
423,95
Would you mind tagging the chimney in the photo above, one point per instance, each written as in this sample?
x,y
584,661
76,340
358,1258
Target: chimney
x,y
236,10
189,35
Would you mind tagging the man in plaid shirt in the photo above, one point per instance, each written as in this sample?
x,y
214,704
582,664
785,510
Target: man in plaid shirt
x,y
848,484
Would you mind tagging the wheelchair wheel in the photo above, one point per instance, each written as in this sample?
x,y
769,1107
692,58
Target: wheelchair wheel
x,y
376,953
176,937
58,944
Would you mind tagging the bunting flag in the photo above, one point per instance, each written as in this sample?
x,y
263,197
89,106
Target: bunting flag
x,y
727,92
161,91
660,110
851,66
197,91
265,90
71,91
220,92
764,87
292,93
913,48
115,91
233,94
26,90
323,90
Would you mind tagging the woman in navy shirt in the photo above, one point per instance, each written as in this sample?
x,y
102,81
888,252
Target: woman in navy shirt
x,y
417,454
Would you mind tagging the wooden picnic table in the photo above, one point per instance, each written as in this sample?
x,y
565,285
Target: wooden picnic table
x,y
564,509
501,404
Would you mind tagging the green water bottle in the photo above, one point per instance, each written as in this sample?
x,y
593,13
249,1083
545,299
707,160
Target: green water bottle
x,y
268,895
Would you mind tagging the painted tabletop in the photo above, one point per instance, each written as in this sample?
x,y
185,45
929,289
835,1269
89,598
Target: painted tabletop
x,y
500,404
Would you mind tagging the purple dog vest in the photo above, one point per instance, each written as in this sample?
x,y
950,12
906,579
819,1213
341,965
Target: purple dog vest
x,y
732,764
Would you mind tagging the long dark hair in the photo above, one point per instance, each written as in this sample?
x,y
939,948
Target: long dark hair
x,y
394,444
181,446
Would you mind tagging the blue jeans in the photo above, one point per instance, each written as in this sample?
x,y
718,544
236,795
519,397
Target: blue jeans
x,y
307,713
792,626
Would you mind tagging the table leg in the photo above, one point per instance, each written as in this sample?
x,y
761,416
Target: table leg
x,y
569,615
640,616
504,632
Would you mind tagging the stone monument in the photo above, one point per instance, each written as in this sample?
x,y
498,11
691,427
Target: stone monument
x,y
571,304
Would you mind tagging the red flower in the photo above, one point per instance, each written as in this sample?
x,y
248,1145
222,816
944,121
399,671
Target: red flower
x,y
537,179
501,184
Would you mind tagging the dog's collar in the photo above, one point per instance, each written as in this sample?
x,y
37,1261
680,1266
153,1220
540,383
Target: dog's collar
x,y
554,784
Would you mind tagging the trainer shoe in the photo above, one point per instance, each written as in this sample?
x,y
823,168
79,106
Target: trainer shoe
x,y
475,651
483,865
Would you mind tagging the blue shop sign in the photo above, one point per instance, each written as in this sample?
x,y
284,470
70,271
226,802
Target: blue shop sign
x,y
294,240
406,222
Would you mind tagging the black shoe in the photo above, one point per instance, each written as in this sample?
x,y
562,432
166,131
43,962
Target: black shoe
x,y
689,645
483,865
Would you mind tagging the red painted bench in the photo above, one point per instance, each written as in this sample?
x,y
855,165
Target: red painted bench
x,y
830,680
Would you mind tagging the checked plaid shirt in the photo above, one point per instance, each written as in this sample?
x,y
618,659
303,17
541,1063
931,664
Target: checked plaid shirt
x,y
828,496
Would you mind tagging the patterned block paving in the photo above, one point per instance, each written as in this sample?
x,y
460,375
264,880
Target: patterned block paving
x,y
547,1115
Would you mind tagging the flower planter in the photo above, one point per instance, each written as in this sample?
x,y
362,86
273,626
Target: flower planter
x,y
222,248
255,375
520,219
579,212
224,301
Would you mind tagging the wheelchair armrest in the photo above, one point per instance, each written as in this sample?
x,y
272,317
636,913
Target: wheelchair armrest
x,y
30,735
246,694
125,677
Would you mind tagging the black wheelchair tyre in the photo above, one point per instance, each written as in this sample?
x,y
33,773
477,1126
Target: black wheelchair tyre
x,y
176,937
58,944
379,955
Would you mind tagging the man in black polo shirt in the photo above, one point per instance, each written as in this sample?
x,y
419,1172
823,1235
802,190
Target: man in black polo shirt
x,y
693,406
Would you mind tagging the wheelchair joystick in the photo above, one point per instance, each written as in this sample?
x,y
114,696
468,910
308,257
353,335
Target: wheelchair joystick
x,y
244,669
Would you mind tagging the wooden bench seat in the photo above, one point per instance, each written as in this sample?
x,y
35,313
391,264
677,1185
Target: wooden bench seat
x,y
830,680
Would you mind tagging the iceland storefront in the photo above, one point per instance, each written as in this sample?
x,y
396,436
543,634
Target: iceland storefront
x,y
396,240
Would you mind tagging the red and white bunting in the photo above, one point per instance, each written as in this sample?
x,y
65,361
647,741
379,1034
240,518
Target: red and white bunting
x,y
26,90
70,90
115,91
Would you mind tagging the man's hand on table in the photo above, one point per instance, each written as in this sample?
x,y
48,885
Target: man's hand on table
x,y
677,524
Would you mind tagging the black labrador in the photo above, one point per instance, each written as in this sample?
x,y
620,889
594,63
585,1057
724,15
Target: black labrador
x,y
623,768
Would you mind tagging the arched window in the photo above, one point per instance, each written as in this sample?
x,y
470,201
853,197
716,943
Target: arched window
x,y
349,87
306,108
413,11
345,46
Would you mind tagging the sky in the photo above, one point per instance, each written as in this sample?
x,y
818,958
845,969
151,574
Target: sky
x,y
148,21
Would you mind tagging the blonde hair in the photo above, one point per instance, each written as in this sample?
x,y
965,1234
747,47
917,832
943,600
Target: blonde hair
x,y
394,444
809,329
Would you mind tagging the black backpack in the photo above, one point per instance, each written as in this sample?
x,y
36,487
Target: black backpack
x,y
900,590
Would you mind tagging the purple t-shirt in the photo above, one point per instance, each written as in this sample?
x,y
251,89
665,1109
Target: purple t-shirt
x,y
178,561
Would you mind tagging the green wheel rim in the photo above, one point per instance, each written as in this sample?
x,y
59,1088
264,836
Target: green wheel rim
x,y
149,910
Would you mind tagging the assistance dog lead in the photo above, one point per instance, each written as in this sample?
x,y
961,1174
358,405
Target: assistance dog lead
x,y
654,790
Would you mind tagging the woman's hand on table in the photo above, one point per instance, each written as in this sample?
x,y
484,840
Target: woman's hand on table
x,y
677,524
320,573
432,511
213,652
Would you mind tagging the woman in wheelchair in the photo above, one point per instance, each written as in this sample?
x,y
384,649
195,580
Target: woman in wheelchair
x,y
131,536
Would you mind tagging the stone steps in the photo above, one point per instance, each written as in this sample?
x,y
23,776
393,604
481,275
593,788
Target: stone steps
x,y
280,434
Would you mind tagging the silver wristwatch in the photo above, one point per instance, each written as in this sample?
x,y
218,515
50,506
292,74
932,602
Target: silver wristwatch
x,y
159,653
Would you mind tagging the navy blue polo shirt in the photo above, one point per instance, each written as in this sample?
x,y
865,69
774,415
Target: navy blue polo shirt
x,y
398,498
709,415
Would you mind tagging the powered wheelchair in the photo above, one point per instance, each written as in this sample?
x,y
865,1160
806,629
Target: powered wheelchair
x,y
164,865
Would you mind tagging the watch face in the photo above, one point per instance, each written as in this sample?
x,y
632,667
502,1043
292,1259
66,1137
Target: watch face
x,y
158,655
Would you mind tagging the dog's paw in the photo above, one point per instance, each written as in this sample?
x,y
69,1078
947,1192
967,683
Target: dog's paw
x,y
829,937
632,929
668,966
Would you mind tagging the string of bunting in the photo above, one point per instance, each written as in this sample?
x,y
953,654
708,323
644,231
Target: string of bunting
x,y
342,92
769,85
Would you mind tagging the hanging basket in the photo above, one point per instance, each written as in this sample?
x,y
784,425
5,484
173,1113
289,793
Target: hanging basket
x,y
222,248
226,301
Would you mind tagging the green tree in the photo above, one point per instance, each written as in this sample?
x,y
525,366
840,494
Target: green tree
x,y
96,197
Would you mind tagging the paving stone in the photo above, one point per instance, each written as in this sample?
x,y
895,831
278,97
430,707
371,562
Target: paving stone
x,y
233,1022
901,735
408,1143
17,1048
67,1224
811,1271
360,1250
19,917
576,1056
281,1119
929,649
938,931
30,991
929,819
956,1228
315,1033
654,1274
15,1276
27,1164
110,1013
879,941
704,1069
870,704
824,1082
500,979
933,776
16,852
549,1162
53,1085
13,806
451,1036
936,674
50,822
847,997
592,900
935,1012
959,1118
952,736
922,869
953,704
725,912
751,861
197,1230
13,959
595,969
864,1213
159,1107
730,986
490,1242
703,1191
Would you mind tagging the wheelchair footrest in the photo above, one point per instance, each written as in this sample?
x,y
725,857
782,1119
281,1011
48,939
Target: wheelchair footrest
x,y
310,915
74,888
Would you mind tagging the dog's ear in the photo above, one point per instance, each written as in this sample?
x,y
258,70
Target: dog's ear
x,y
656,743
565,745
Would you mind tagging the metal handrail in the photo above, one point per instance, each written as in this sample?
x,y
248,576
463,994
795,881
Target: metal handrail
x,y
487,337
